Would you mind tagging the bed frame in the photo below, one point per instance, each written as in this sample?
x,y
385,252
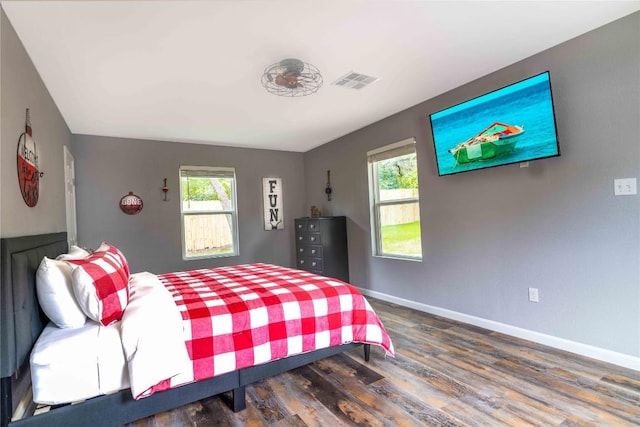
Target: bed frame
x,y
21,322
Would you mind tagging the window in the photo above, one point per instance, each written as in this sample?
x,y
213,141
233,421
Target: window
x,y
394,199
209,212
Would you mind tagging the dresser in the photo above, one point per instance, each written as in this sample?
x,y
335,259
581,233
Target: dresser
x,y
321,246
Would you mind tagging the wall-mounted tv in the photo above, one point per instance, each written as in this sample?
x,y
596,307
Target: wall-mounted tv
x,y
510,125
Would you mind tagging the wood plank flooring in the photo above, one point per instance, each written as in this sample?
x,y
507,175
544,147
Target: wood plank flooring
x,y
445,373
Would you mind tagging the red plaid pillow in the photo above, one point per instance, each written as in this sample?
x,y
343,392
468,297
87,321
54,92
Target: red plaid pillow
x,y
106,247
101,284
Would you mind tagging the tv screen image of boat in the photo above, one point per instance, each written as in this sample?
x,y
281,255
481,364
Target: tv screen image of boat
x,y
510,125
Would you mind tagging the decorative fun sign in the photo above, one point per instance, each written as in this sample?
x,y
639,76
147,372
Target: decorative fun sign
x,y
28,174
273,212
131,204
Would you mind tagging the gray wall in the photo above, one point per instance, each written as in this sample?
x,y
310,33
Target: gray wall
x,y
489,235
108,168
22,88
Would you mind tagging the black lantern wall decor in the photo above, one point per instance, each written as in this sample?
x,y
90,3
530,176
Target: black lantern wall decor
x,y
165,190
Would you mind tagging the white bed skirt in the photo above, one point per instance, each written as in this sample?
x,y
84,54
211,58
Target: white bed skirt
x,y
70,365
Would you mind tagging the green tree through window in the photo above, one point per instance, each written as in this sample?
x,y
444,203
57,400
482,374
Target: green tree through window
x,y
394,197
209,215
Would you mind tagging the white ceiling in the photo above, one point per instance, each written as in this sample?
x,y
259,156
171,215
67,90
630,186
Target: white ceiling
x,y
189,71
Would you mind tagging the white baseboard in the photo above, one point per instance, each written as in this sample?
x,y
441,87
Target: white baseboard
x,y
586,350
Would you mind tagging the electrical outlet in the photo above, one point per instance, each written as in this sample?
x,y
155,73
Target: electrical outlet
x,y
625,186
534,295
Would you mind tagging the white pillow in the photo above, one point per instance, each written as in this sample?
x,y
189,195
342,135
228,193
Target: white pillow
x,y
75,252
55,294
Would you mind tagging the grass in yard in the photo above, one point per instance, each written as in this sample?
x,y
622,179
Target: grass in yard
x,y
402,239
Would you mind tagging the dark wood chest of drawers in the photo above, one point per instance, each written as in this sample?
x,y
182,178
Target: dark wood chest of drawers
x,y
321,246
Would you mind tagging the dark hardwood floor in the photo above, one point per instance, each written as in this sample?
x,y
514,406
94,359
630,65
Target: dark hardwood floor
x,y
445,373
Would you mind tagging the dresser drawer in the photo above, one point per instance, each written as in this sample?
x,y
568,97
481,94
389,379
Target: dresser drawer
x,y
303,238
308,225
310,251
310,264
313,238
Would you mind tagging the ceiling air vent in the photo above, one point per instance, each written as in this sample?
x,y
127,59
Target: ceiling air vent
x,y
355,80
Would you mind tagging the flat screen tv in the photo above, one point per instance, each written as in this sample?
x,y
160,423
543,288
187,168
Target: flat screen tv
x,y
513,124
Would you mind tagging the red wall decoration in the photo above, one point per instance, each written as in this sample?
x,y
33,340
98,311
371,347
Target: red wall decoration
x,y
131,204
28,174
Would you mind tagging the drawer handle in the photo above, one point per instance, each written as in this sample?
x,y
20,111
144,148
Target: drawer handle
x,y
313,251
312,238
301,261
301,250
312,226
300,226
313,264
300,237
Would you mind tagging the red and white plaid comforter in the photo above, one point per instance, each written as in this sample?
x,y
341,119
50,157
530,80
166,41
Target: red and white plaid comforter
x,y
239,316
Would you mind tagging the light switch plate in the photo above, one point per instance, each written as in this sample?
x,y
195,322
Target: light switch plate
x,y
625,186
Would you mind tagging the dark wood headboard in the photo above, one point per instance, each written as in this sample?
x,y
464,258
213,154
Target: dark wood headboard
x,y
21,319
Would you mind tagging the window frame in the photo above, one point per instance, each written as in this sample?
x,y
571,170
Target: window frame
x,y
397,149
211,172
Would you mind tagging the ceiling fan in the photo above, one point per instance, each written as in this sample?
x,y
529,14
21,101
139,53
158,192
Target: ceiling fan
x,y
291,77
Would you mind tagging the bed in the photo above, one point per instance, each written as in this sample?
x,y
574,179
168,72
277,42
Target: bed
x,y
22,323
